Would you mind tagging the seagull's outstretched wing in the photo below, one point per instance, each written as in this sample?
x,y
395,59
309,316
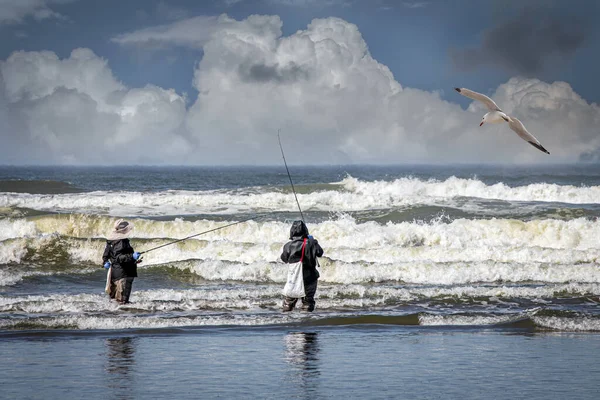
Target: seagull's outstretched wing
x,y
489,103
520,130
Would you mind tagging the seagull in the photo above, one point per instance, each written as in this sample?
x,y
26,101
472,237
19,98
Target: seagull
x,y
496,116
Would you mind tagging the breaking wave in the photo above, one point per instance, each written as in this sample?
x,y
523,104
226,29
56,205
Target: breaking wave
x,y
431,253
441,253
128,319
350,194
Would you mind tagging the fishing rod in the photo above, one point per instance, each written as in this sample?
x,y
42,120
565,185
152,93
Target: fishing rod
x,y
201,233
289,176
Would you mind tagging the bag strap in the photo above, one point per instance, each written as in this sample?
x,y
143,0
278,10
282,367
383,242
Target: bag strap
x,y
303,247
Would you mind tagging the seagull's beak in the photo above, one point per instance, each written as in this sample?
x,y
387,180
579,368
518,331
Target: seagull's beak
x,y
481,123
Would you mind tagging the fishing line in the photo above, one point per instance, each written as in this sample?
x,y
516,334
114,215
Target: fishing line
x,y
201,233
289,176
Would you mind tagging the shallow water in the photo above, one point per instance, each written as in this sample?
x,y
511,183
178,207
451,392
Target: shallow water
x,y
342,362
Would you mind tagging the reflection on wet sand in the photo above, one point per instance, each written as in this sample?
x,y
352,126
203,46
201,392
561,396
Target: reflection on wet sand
x,y
302,353
120,363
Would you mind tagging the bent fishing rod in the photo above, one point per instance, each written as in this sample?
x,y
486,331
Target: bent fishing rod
x,y
289,176
201,233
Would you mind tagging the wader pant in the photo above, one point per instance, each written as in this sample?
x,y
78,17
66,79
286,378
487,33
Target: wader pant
x,y
120,290
308,301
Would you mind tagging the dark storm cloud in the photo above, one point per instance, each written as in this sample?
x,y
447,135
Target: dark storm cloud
x,y
272,73
525,43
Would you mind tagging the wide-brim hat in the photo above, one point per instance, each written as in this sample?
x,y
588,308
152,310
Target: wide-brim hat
x,y
121,230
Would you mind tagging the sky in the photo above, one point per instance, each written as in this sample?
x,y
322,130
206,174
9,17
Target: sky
x,y
187,82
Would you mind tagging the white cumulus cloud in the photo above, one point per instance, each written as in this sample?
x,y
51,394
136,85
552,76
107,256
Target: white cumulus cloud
x,y
74,111
332,100
336,103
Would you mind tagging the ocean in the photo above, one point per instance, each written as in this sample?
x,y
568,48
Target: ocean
x,y
436,282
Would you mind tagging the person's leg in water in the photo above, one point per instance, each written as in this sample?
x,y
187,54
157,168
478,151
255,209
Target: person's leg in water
x,y
289,303
126,290
116,289
308,301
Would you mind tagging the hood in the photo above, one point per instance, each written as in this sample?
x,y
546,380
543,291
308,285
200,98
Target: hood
x,y
298,230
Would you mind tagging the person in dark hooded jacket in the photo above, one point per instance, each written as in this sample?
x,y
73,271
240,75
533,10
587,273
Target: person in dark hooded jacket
x,y
292,253
122,259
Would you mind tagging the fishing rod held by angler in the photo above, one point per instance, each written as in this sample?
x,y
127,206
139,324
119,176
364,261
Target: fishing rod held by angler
x,y
289,176
198,234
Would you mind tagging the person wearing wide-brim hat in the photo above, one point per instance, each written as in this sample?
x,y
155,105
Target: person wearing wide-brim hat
x,y
121,261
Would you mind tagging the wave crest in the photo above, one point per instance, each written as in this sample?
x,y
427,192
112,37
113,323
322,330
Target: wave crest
x,y
351,194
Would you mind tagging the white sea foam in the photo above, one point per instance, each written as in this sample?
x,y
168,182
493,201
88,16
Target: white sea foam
x,y
12,251
576,324
132,321
461,320
421,272
460,187
9,278
265,297
344,240
344,232
14,228
458,252
460,273
218,305
86,322
186,202
356,195
587,324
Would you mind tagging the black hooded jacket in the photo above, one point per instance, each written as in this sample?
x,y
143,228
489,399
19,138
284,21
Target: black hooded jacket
x,y
292,251
120,254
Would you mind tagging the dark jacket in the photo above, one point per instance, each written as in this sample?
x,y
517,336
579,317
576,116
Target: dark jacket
x,y
293,250
120,254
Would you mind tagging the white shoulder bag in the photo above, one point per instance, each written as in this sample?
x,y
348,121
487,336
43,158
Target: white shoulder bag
x,y
294,287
